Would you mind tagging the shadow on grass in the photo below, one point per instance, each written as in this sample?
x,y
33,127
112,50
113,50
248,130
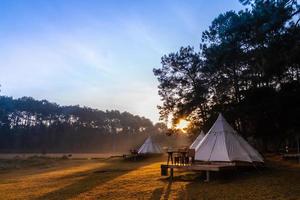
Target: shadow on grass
x,y
93,179
168,191
222,176
157,193
196,188
161,193
164,192
268,183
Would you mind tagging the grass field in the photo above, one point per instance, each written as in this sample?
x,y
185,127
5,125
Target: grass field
x,y
57,155
54,178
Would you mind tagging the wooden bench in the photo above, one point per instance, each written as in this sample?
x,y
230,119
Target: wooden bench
x,y
197,167
291,156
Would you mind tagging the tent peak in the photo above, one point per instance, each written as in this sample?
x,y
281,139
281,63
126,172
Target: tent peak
x,y
221,117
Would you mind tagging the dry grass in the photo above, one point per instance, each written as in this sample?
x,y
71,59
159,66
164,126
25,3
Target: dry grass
x,y
58,155
117,179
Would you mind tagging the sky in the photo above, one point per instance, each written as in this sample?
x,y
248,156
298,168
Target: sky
x,y
97,53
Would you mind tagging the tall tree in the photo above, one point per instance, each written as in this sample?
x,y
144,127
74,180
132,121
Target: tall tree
x,y
246,62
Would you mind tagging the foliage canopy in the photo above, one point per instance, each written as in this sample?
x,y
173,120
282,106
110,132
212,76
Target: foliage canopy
x,y
248,67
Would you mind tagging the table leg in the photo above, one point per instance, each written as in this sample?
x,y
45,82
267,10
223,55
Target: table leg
x,y
171,173
207,176
170,158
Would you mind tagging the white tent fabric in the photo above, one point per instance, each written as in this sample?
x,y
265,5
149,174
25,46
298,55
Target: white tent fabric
x,y
197,140
149,147
222,143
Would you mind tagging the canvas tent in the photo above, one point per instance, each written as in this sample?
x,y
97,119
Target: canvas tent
x,y
149,147
222,143
197,141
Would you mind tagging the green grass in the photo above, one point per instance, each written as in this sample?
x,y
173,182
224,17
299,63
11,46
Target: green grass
x,y
119,179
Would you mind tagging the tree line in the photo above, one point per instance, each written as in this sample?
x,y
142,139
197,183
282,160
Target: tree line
x,y
29,125
247,67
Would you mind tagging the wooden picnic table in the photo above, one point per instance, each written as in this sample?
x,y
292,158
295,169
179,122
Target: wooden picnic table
x,y
183,155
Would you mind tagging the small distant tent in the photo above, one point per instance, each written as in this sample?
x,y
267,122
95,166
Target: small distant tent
x,y
198,140
149,147
222,143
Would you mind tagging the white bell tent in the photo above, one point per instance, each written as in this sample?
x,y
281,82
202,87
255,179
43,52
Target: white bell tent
x,y
197,140
222,143
149,147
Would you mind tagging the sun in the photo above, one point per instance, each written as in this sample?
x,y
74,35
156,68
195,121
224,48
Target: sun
x,y
182,124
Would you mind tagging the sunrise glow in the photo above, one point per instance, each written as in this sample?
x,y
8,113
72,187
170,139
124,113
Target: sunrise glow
x,y
182,125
